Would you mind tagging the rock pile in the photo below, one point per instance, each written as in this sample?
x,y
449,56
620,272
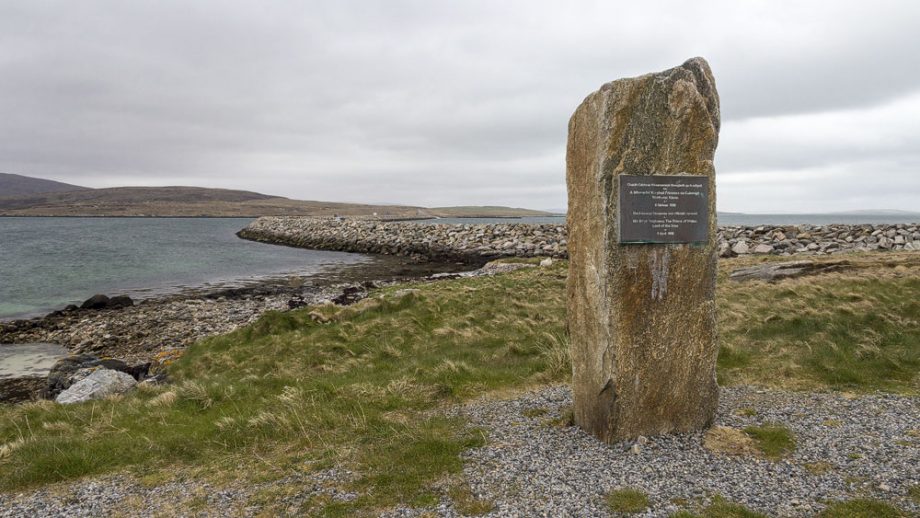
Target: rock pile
x,y
817,240
463,243
478,243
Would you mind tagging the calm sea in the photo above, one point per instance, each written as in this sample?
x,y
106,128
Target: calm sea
x,y
47,263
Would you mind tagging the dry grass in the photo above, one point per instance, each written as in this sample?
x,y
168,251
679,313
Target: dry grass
x,y
729,441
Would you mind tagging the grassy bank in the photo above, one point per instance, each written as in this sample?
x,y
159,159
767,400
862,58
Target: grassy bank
x,y
856,330
359,387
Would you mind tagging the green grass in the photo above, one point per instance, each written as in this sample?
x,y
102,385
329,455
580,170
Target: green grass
x,y
914,493
362,391
627,500
861,508
294,393
775,441
720,508
854,331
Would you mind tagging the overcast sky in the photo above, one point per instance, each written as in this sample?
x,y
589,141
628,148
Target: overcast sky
x,y
452,103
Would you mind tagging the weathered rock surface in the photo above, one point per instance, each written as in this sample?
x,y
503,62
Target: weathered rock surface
x,y
17,390
97,301
98,384
772,272
67,371
100,301
641,317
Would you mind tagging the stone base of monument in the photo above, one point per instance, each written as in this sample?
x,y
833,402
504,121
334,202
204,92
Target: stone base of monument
x,y
642,248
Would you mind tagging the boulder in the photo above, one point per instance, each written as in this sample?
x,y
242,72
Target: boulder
x,y
67,371
350,295
297,301
98,384
763,248
741,248
17,390
772,272
120,301
98,301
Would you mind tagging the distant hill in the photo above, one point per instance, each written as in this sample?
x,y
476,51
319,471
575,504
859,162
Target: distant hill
x,y
200,201
19,185
478,211
181,201
879,212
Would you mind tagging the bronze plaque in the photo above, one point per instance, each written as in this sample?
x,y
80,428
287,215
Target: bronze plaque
x,y
664,209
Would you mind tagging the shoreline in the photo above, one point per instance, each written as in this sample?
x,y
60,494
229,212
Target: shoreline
x,y
157,329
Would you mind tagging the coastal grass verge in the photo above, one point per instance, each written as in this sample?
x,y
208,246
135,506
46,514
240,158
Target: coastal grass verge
x,y
308,390
855,330
357,389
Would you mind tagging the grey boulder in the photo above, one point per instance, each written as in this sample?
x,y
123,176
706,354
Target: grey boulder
x,y
778,271
99,384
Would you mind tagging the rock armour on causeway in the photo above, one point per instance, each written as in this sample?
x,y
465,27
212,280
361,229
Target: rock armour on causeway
x,y
464,243
477,243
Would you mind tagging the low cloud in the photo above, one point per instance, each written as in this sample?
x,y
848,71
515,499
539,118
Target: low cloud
x,y
439,104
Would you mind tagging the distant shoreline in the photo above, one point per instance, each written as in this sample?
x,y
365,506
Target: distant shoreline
x,y
123,217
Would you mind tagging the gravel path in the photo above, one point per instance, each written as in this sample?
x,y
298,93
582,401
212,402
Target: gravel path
x,y
531,468
534,467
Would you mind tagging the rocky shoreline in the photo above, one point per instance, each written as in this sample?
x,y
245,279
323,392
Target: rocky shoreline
x,y
157,330
478,243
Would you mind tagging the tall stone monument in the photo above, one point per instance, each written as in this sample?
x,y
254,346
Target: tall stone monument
x,y
642,254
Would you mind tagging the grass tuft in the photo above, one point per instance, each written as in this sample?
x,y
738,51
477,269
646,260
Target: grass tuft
x,y
627,501
818,467
914,493
720,508
469,504
861,508
774,441
729,441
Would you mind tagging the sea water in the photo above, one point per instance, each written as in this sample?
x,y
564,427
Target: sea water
x,y
47,263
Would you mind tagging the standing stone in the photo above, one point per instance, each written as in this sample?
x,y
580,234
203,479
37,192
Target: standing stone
x,y
641,317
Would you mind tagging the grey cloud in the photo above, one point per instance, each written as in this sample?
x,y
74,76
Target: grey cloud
x,y
422,102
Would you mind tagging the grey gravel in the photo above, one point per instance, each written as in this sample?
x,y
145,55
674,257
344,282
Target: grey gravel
x,y
121,495
532,468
